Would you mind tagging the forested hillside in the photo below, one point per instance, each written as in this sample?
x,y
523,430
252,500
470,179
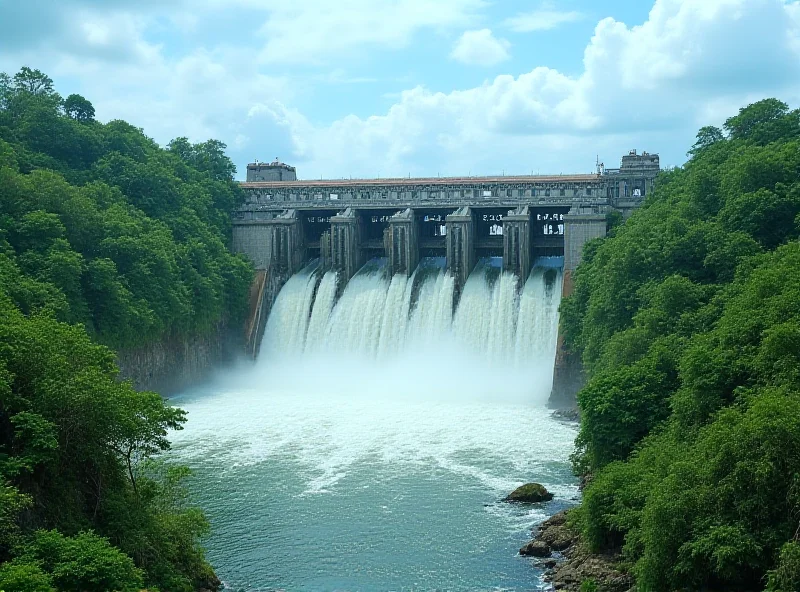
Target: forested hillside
x,y
688,323
102,227
106,239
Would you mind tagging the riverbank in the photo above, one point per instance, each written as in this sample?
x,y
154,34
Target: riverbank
x,y
568,564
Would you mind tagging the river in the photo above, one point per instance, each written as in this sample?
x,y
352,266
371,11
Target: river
x,y
353,471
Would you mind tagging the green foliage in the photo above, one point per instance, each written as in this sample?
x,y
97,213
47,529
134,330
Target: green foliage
x,y
77,107
786,576
83,563
105,240
102,227
24,577
687,319
706,137
76,450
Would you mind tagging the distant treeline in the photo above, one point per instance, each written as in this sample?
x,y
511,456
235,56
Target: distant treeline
x,y
106,239
688,323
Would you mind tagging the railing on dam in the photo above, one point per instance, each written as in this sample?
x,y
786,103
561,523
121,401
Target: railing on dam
x,y
245,211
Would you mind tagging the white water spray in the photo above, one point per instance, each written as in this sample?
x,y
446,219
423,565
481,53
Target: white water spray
x,y
285,334
376,318
321,312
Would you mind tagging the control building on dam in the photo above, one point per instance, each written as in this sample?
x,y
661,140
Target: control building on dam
x,y
286,222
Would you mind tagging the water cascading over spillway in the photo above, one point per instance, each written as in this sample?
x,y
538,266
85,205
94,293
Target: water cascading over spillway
x,y
323,305
285,333
380,318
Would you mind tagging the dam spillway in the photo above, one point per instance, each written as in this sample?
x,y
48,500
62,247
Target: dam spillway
x,y
496,321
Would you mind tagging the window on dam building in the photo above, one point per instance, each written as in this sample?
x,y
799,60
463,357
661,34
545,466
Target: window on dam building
x,y
557,229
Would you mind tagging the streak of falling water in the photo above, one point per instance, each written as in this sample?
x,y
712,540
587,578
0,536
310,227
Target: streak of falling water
x,y
395,315
432,317
503,319
355,325
285,333
537,329
473,316
321,312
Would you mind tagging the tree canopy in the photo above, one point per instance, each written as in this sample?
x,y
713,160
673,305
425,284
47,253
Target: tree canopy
x,y
101,226
688,322
106,240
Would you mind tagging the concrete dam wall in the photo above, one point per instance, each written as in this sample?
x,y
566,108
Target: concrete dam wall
x,y
429,253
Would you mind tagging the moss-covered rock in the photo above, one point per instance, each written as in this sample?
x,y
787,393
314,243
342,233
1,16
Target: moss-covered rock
x,y
530,493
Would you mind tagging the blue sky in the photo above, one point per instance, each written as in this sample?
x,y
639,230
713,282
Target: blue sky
x,y
419,87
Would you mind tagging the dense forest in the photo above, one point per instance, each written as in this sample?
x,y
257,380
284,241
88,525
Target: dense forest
x,y
106,241
687,319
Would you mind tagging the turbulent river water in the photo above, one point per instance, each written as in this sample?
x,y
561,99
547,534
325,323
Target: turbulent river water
x,y
370,445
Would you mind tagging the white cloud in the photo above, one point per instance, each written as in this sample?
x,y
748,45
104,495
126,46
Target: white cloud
x,y
480,48
641,85
648,86
317,31
543,19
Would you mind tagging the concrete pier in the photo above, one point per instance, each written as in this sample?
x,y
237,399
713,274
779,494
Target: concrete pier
x,y
402,243
517,245
346,255
460,239
581,224
273,241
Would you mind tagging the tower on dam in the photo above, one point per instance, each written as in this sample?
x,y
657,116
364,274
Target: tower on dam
x,y
285,222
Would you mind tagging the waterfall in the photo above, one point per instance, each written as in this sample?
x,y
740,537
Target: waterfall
x,y
537,331
321,313
381,318
503,319
473,317
285,333
395,315
431,319
355,324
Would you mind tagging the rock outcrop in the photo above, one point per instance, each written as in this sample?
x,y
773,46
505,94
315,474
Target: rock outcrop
x,y
530,493
536,549
573,564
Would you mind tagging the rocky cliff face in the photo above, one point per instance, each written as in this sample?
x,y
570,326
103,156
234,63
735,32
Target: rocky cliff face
x,y
175,363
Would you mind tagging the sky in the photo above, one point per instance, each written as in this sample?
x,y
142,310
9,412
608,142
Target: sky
x,y
379,88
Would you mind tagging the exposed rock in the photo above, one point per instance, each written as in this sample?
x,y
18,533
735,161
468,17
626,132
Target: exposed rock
x,y
530,493
535,549
578,564
210,583
555,520
581,566
558,538
175,362
572,414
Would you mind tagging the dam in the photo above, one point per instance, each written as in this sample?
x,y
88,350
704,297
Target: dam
x,y
416,228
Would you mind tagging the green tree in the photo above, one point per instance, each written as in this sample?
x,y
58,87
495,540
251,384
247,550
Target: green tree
x,y
83,563
706,137
33,81
78,108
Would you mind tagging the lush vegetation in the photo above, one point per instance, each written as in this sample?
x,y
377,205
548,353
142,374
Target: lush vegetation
x,y
102,227
688,323
105,240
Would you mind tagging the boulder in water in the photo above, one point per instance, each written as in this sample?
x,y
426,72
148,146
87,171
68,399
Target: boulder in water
x,y
535,549
530,493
